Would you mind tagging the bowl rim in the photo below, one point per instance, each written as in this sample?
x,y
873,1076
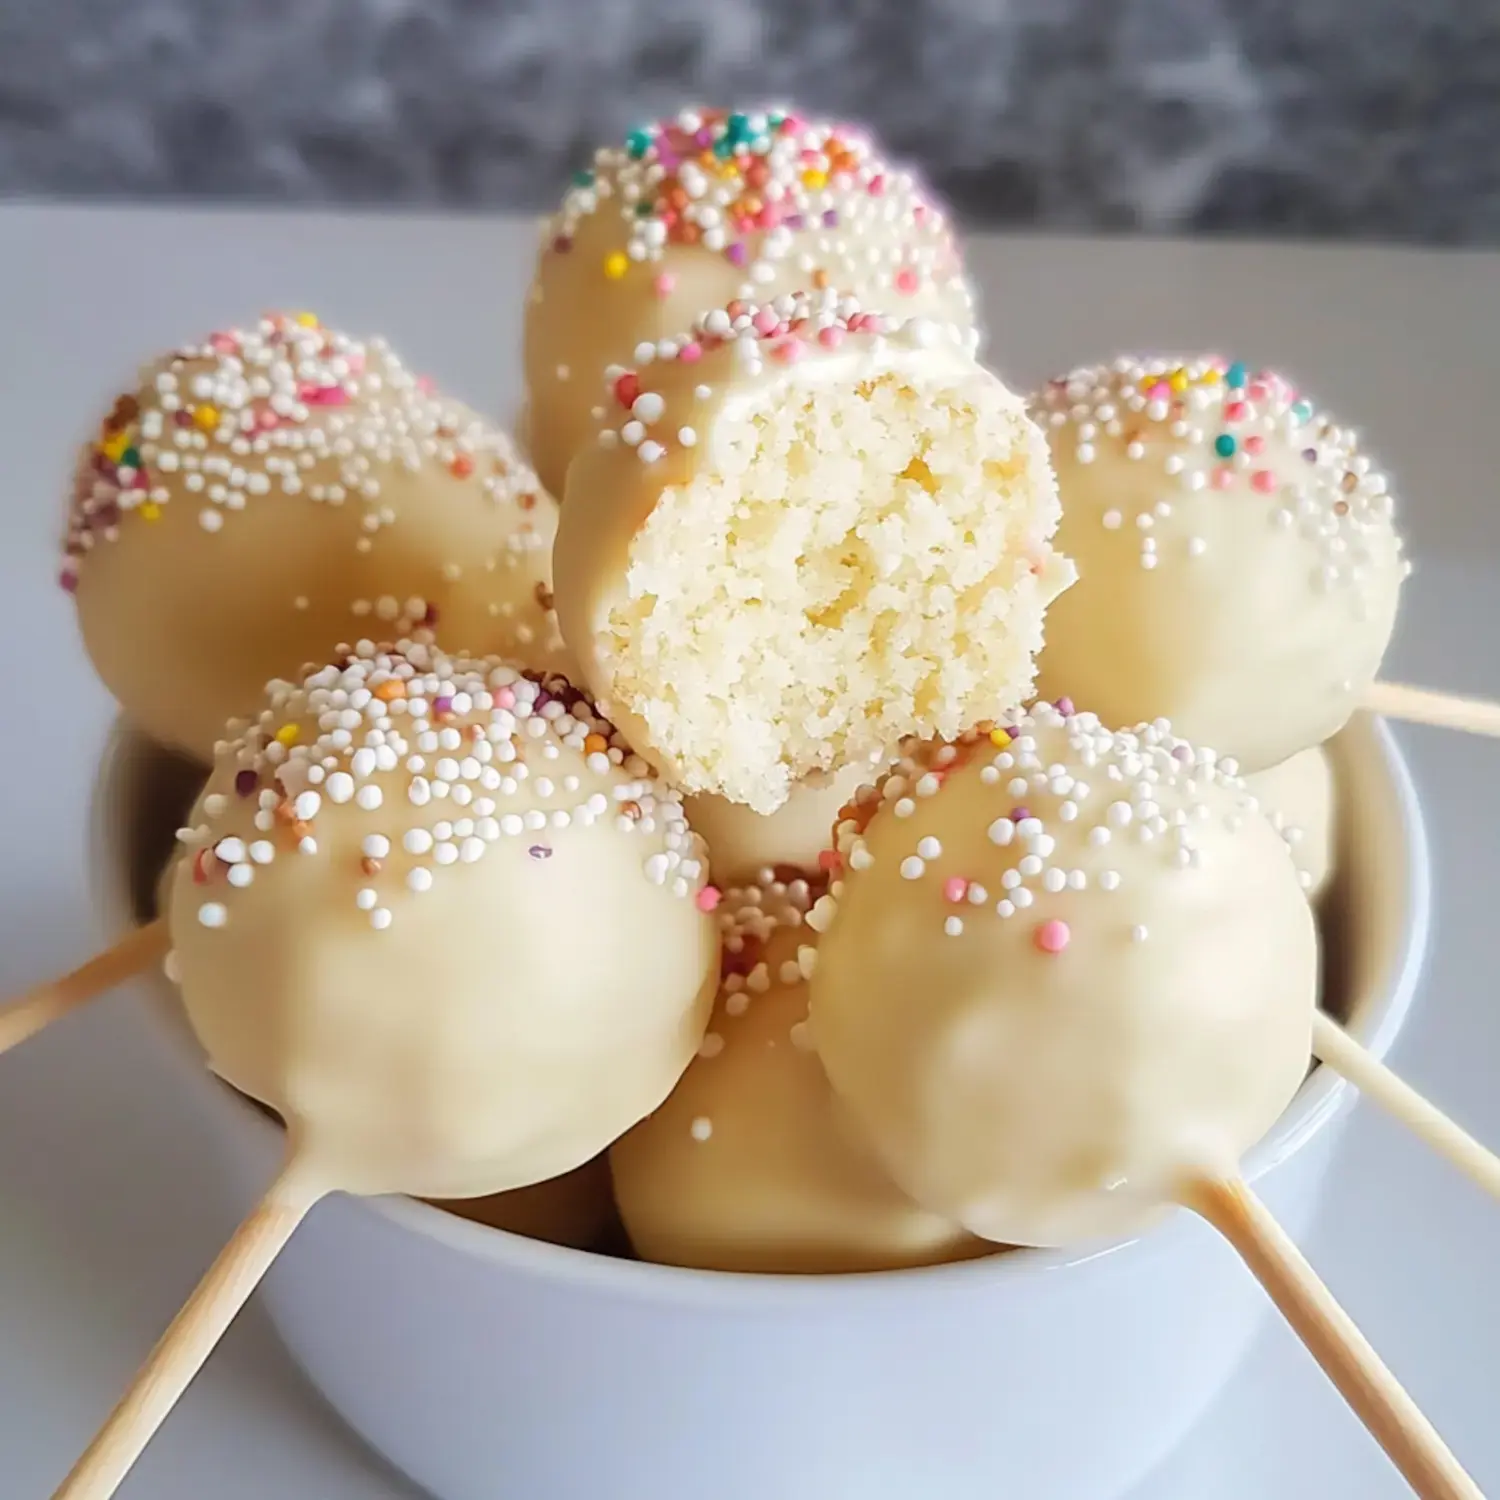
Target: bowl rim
x,y
1322,1097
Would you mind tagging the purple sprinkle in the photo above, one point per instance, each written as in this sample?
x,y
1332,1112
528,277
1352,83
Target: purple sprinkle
x,y
1182,752
182,418
704,137
540,851
1019,814
795,221
245,782
442,705
543,698
830,218
667,158
1065,707
737,253
69,580
1310,454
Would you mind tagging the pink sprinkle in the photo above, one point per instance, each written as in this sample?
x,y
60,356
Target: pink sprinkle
x,y
906,280
877,185
830,337
224,343
1254,444
1161,391
425,384
356,363
1257,390
1263,481
1236,411
690,354
266,419
505,699
1053,936
955,888
664,283
1223,478
69,580
708,898
787,352
765,321
1065,707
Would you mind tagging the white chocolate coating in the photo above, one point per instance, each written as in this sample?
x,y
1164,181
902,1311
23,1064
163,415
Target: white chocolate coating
x,y
749,1165
1238,565
277,490
782,205
1047,1024
742,842
1301,800
444,923
801,534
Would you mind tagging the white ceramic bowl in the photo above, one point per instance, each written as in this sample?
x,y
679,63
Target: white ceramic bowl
x,y
485,1365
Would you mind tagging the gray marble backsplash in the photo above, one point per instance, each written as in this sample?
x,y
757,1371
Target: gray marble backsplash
x,y
1377,119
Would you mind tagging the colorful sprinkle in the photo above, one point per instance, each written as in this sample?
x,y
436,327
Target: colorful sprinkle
x,y
1053,936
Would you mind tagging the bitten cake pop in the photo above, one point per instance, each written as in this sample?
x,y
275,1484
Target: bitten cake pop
x,y
1065,972
803,531
748,1165
260,497
438,914
742,842
1300,799
693,211
1238,565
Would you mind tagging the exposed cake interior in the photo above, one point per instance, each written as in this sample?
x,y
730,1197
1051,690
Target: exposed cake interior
x,y
851,563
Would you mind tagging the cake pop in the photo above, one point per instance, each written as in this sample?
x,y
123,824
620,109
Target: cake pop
x,y
437,916
711,205
1299,797
742,842
1067,979
260,497
1069,969
576,1209
748,1166
1238,565
802,532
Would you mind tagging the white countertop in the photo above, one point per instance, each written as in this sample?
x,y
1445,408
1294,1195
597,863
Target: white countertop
x,y
104,1217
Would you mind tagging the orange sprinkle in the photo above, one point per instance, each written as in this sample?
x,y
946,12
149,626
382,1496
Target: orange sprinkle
x,y
595,744
300,830
462,465
370,865
390,690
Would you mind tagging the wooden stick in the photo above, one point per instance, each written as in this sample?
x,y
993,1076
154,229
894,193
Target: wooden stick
x,y
1376,1396
1444,710
136,951
1424,1119
193,1333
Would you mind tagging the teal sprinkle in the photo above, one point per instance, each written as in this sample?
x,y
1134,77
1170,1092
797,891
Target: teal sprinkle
x,y
724,148
1224,445
1236,375
775,118
1302,410
131,458
638,143
644,210
738,126
583,178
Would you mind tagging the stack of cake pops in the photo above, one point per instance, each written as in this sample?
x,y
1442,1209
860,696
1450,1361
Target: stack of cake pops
x,y
739,844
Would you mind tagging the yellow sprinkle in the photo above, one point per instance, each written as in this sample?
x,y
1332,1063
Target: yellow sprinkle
x,y
616,265
1209,377
207,417
150,511
1178,380
307,319
813,178
999,738
113,447
288,734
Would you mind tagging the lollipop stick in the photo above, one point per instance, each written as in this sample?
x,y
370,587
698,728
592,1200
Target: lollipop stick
x,y
1344,1055
1422,706
1376,1396
195,1330
37,1008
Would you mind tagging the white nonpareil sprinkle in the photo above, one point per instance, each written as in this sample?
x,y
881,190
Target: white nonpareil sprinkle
x,y
419,879
213,914
702,1128
913,867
